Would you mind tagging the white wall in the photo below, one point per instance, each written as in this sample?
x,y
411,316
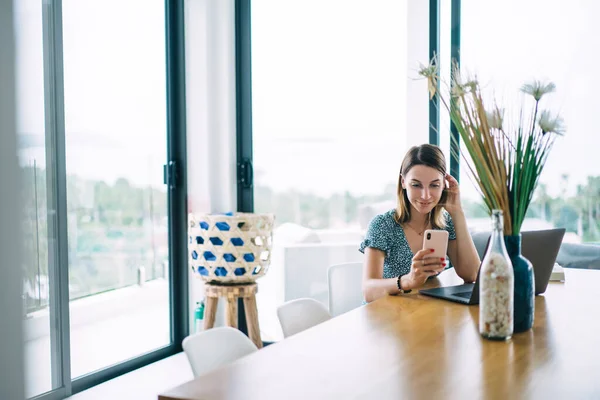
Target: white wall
x,y
11,307
210,95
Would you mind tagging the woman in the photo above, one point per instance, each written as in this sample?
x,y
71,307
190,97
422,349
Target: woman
x,y
428,198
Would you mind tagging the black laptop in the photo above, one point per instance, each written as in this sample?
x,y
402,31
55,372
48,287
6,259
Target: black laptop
x,y
539,247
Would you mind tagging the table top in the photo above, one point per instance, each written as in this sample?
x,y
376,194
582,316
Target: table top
x,y
414,346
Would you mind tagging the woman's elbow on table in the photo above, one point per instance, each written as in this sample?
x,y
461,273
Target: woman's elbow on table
x,y
374,289
468,276
367,292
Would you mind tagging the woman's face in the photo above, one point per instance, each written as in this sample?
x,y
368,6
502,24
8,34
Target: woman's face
x,y
424,187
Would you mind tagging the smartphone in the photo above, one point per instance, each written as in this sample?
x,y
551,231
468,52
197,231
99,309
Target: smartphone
x,y
436,240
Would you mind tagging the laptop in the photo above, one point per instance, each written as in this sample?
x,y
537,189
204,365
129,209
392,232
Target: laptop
x,y
539,247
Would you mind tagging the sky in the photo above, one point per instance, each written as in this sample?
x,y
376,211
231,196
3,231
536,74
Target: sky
x,y
339,78
546,40
115,88
329,85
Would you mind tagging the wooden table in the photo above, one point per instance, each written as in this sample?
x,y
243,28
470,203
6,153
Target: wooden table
x,y
416,347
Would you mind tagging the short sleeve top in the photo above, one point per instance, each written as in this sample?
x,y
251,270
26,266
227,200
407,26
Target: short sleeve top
x,y
385,234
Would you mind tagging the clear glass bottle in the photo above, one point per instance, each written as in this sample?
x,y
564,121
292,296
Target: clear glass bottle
x,y
496,286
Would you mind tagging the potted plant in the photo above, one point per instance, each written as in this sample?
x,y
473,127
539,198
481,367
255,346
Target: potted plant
x,y
504,158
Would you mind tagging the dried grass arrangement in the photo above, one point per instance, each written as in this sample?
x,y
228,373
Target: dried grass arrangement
x,y
505,157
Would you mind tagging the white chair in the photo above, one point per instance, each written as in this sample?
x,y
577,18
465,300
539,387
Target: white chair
x,y
300,314
215,347
345,287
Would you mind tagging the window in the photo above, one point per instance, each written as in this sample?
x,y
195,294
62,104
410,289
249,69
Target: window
x,y
331,112
505,56
329,108
34,197
96,124
115,130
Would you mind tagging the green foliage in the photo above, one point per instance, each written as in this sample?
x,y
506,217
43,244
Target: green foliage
x,y
474,209
119,227
579,214
112,230
316,212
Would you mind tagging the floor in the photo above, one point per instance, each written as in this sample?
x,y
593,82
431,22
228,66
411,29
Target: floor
x,y
110,328
118,326
142,384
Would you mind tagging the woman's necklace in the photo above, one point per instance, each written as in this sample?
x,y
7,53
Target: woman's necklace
x,y
420,233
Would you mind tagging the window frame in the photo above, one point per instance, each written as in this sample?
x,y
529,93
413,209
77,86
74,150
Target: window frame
x,y
243,74
62,383
455,20
243,110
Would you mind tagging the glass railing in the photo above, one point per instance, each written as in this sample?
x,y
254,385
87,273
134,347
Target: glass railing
x,y
118,237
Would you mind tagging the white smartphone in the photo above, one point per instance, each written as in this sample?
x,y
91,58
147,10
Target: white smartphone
x,y
436,240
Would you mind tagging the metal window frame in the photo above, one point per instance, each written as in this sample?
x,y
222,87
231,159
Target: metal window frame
x,y
58,252
177,152
455,57
243,102
243,78
434,51
245,195
62,383
243,68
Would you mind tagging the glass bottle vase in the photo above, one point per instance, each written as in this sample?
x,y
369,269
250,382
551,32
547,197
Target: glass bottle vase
x,y
496,286
524,291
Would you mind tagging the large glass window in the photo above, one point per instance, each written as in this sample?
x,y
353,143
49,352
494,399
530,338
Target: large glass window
x,y
32,158
329,110
91,87
521,42
115,122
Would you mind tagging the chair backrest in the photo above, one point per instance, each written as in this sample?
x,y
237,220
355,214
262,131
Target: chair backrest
x,y
215,347
345,287
300,314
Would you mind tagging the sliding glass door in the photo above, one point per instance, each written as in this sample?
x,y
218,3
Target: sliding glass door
x,y
98,116
115,138
36,169
330,113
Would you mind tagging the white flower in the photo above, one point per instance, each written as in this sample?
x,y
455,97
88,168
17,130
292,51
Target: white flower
x,y
495,118
429,69
549,123
430,72
462,83
458,90
538,88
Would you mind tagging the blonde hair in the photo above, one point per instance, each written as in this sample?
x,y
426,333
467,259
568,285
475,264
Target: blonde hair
x,y
430,156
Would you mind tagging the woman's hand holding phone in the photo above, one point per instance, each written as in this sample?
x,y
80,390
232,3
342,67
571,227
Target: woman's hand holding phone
x,y
431,260
424,264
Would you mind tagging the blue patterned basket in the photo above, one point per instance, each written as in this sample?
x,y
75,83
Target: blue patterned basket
x,y
234,247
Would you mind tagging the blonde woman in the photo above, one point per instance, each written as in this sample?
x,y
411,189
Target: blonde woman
x,y
428,198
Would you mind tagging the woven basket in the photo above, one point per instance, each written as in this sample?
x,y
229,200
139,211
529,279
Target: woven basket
x,y
233,247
